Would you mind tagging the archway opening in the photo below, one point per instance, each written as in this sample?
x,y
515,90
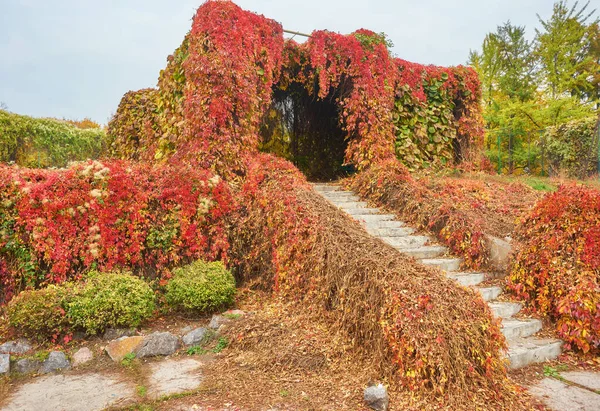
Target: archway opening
x,y
307,130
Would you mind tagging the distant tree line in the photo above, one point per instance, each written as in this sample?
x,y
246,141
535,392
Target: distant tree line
x,y
533,88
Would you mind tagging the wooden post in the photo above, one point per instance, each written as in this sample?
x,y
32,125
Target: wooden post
x,y
296,33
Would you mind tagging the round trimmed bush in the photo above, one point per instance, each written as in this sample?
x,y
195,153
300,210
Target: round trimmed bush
x,y
40,313
201,287
105,300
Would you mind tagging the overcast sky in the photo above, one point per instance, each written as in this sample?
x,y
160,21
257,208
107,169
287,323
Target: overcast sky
x,y
76,58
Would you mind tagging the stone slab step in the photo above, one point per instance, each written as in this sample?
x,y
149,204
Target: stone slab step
x,y
409,241
447,264
489,293
532,350
349,204
375,218
391,232
361,211
322,188
515,329
505,309
340,195
467,279
426,252
382,224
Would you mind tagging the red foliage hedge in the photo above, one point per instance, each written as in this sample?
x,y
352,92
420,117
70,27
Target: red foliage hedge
x,y
57,223
557,266
426,331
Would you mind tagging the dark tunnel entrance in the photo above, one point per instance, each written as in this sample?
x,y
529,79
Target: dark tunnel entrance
x,y
307,131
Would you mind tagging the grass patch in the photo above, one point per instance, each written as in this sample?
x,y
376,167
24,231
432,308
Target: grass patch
x,y
539,184
127,361
221,345
141,390
196,350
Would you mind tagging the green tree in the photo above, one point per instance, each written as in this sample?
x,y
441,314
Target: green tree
x,y
567,49
506,64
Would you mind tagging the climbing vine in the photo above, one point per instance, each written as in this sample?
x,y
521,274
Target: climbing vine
x,y
557,266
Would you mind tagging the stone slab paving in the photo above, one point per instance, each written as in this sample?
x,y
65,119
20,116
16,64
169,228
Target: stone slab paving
x,y
559,396
87,392
96,391
174,377
587,379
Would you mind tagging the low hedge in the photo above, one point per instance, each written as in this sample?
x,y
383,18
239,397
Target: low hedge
x,y
102,300
557,264
45,142
201,287
108,300
40,313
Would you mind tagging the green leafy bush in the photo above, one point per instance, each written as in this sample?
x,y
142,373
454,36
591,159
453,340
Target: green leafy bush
x,y
110,300
45,142
40,313
201,287
101,301
573,147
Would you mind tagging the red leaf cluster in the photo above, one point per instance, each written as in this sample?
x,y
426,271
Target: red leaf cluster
x,y
458,211
234,58
557,267
58,223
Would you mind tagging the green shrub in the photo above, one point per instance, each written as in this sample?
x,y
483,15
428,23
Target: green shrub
x,y
46,142
201,287
110,300
40,313
573,147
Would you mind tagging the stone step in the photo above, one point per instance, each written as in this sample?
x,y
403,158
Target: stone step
x,y
532,350
382,224
505,309
407,242
467,279
361,211
425,252
515,329
340,195
446,264
489,293
391,232
322,188
374,218
343,204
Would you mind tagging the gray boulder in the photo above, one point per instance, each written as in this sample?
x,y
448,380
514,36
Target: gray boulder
x,y
376,397
4,364
82,356
158,343
116,333
15,347
27,366
197,336
57,360
217,321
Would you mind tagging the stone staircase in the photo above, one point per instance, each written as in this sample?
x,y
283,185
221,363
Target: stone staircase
x,y
524,347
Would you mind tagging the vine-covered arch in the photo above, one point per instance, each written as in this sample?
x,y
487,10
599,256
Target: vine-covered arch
x,y
234,76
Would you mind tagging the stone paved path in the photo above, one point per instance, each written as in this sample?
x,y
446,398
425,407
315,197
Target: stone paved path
x,y
564,396
96,391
